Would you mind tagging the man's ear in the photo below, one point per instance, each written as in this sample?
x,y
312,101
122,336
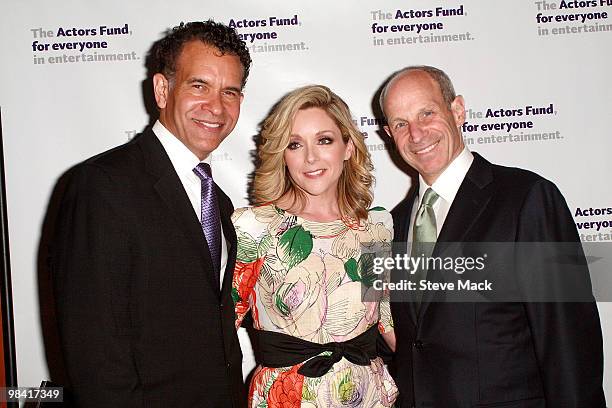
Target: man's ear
x,y
458,110
160,89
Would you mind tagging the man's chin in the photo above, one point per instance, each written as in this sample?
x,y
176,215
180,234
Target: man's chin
x,y
430,173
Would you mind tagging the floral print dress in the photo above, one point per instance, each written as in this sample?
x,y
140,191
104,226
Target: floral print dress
x,y
305,279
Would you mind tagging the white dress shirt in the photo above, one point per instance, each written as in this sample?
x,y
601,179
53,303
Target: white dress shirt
x,y
184,161
446,186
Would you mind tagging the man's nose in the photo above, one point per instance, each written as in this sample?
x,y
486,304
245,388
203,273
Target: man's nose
x,y
213,103
416,132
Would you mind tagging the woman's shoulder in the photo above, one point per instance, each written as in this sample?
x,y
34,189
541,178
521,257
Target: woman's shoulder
x,y
380,215
248,218
379,225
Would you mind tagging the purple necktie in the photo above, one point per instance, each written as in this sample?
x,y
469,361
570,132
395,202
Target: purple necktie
x,y
211,220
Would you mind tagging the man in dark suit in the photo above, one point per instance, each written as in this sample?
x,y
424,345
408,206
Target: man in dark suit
x,y
516,351
145,249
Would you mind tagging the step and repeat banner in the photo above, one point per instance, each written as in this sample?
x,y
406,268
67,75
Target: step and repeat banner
x,y
534,74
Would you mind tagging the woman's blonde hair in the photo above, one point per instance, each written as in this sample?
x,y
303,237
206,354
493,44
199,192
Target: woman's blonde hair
x,y
272,180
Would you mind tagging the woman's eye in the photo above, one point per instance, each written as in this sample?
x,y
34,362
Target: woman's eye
x,y
326,140
293,145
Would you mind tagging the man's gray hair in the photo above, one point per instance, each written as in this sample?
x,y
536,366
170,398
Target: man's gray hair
x,y
443,81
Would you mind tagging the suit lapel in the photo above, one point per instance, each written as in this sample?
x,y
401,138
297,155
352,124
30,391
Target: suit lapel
x,y
171,191
401,218
471,200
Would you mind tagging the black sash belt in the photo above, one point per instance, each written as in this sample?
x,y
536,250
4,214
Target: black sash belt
x,y
283,350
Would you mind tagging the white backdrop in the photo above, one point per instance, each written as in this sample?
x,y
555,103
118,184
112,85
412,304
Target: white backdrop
x,y
69,90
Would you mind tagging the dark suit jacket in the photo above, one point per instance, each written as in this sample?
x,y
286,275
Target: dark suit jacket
x,y
143,322
500,354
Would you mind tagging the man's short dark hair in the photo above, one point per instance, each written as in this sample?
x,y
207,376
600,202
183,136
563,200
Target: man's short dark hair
x,y
166,51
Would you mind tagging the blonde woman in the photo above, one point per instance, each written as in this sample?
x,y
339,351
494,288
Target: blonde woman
x,y
302,268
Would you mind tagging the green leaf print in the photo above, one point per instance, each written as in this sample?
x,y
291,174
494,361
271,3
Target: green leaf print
x,y
279,300
310,386
264,245
247,248
308,394
346,388
366,268
362,270
350,267
294,246
235,295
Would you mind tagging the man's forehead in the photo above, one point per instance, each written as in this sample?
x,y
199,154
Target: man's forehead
x,y
414,85
196,48
195,52
416,79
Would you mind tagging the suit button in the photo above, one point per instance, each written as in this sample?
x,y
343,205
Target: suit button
x,y
418,344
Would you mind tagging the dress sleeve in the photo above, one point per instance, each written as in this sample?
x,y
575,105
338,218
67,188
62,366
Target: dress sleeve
x,y
248,264
382,225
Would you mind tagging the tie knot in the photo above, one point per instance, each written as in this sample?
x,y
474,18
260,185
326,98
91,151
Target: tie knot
x,y
203,171
430,197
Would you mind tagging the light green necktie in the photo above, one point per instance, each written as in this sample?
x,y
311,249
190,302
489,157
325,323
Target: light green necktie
x,y
424,235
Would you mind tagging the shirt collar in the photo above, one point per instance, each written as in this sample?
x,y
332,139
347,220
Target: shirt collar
x,y
448,183
183,160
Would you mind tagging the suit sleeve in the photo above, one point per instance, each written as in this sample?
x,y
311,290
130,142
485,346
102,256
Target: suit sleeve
x,y
567,335
91,271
